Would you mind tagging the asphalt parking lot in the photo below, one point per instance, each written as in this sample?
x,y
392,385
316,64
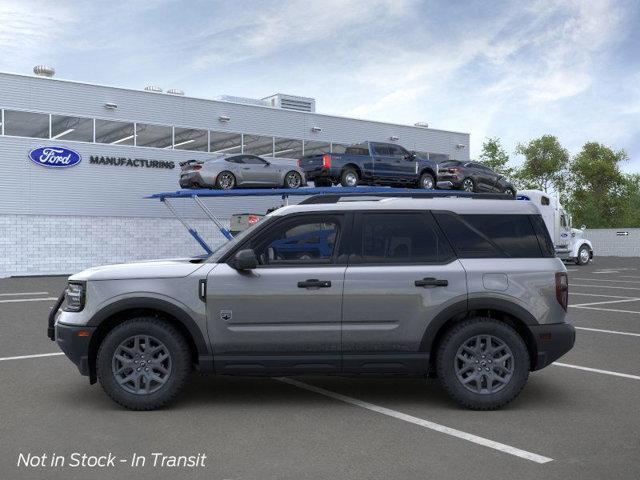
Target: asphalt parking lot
x,y
579,418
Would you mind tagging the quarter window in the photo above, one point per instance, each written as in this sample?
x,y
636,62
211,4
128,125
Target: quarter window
x,y
401,238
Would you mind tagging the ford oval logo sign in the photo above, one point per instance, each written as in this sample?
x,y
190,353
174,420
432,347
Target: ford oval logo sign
x,y
56,157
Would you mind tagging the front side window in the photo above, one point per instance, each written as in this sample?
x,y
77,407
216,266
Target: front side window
x,y
380,149
401,238
303,241
253,160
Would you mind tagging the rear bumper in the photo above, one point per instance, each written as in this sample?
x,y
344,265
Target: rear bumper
x,y
456,181
192,180
75,346
319,172
552,342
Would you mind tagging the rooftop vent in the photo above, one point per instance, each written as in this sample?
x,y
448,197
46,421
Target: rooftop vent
x,y
292,102
244,100
175,91
44,71
422,124
153,88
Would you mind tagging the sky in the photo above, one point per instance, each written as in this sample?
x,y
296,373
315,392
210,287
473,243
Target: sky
x,y
513,70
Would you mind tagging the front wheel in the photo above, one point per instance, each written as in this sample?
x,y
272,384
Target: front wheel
x,y
483,363
292,180
143,363
584,256
427,181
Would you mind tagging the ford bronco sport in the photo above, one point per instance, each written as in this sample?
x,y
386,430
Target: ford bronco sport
x,y
465,289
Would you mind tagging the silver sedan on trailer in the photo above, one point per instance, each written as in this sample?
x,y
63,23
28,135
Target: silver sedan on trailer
x,y
241,170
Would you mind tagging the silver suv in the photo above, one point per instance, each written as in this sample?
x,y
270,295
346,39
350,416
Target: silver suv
x,y
465,289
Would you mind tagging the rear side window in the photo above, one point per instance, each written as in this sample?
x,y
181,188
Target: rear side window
x,y
544,240
513,234
467,241
400,238
360,149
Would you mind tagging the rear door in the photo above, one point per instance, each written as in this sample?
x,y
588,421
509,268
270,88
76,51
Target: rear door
x,y
285,315
382,161
402,273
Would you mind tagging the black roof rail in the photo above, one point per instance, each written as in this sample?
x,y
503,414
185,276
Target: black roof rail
x,y
337,197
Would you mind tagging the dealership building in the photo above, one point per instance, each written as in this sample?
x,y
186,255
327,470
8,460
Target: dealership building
x,y
128,144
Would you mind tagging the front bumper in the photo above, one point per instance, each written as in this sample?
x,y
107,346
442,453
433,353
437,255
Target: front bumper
x,y
552,342
74,342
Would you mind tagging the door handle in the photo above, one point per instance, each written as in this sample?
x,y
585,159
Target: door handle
x,y
431,282
246,168
314,283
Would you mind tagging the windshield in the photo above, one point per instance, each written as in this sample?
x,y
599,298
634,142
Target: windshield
x,y
225,247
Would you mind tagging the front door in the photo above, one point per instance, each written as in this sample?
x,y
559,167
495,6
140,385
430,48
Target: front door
x,y
402,274
257,171
284,316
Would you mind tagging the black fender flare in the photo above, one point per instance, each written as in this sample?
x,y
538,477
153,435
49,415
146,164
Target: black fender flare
x,y
462,308
149,303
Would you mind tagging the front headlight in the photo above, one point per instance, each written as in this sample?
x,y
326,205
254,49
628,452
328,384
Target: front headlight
x,y
74,297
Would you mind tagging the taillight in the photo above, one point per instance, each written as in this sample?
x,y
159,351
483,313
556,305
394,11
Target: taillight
x,y
196,167
326,161
251,219
454,170
298,162
562,289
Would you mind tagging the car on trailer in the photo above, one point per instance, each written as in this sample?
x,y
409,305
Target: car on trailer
x,y
371,163
465,287
226,172
474,177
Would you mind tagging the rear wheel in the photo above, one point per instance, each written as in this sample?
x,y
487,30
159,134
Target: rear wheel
x,y
349,178
427,182
292,180
143,363
468,185
509,191
225,181
583,255
483,364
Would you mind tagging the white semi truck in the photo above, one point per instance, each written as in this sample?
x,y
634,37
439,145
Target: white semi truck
x,y
568,242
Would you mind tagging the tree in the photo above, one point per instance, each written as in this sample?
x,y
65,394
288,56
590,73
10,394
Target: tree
x,y
600,193
631,199
545,164
495,157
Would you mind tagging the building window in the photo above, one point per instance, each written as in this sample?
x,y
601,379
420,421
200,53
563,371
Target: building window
x,y
26,124
190,139
158,136
115,133
312,147
258,145
338,147
72,128
225,142
287,148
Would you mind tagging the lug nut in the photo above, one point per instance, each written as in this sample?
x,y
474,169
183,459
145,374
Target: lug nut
x,y
138,369
487,369
146,369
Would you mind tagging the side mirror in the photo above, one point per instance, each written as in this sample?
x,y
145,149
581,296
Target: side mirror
x,y
244,260
583,227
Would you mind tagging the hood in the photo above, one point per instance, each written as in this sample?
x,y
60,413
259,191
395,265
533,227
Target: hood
x,y
168,268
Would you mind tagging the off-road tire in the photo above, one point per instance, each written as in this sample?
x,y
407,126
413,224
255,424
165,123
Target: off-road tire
x,y
446,357
180,356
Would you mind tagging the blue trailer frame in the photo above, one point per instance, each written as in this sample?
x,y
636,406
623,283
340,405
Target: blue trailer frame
x,y
325,192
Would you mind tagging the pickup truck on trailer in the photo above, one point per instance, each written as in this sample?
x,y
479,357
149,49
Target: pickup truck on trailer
x,y
371,163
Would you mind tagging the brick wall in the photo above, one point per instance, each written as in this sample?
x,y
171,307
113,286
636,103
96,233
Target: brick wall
x,y
43,245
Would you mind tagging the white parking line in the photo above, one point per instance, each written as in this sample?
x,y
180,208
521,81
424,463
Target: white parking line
x,y
606,280
15,300
632,299
597,295
608,331
22,293
22,357
419,421
605,286
608,309
597,370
